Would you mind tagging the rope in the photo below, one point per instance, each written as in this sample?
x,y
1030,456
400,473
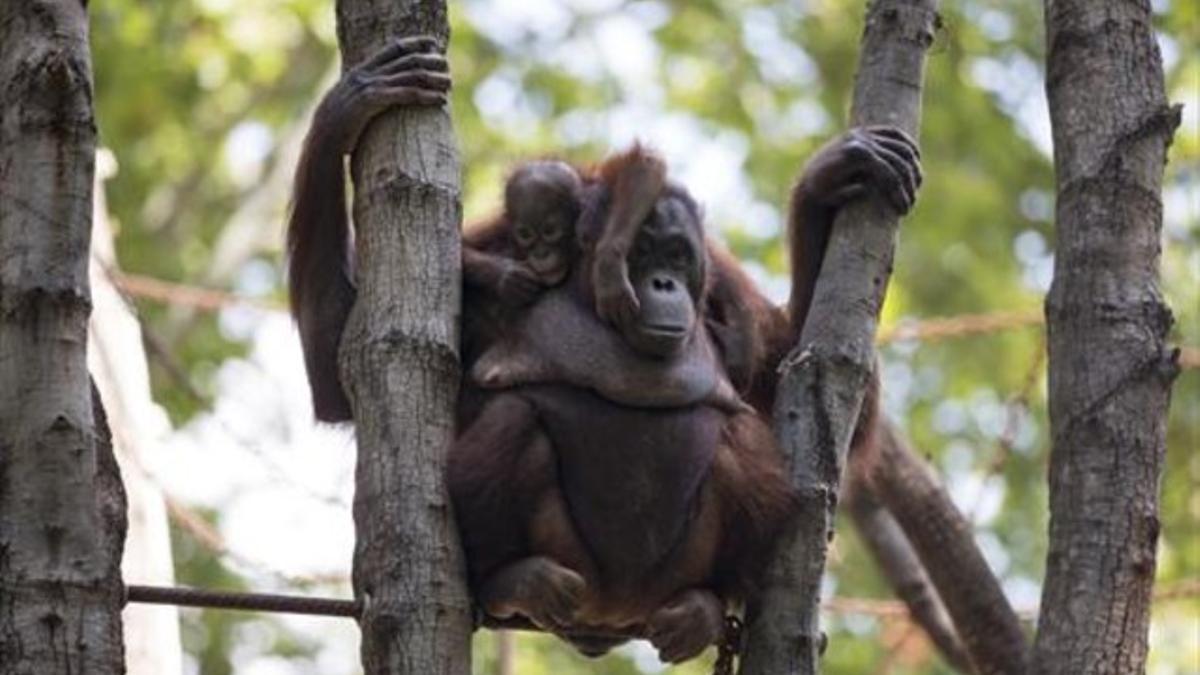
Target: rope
x,y
1180,590
923,330
961,325
295,604
172,293
1189,358
184,596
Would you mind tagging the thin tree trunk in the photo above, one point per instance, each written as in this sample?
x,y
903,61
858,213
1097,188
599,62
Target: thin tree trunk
x,y
821,390
118,365
62,507
399,357
983,618
1110,369
902,568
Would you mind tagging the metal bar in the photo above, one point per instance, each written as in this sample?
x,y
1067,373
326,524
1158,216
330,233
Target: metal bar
x,y
254,602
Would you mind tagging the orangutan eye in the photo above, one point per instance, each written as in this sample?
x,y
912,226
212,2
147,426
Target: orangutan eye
x,y
524,234
552,231
678,253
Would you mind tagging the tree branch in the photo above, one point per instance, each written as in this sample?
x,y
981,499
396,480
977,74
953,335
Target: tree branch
x,y
62,506
823,379
399,358
1110,368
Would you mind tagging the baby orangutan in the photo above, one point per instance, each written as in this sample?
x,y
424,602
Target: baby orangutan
x,y
532,245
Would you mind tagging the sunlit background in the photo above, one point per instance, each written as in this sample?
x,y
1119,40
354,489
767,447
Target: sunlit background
x,y
202,106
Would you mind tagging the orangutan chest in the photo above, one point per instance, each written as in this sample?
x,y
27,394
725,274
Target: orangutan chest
x,y
630,476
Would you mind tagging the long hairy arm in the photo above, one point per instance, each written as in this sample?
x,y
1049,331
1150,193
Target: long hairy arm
x,y
406,72
319,268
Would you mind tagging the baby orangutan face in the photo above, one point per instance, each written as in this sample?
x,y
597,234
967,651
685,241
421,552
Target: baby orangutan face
x,y
542,200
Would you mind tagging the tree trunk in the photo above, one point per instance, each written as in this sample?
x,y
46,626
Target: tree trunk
x,y
821,390
62,508
945,543
118,365
1110,370
399,357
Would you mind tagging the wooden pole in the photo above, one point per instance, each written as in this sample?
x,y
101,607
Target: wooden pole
x,y
62,506
399,359
821,390
1110,368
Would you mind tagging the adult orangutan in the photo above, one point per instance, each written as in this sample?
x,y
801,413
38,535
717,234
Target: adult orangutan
x,y
614,471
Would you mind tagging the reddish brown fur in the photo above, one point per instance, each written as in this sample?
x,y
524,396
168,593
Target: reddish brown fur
x,y
320,273
509,493
504,467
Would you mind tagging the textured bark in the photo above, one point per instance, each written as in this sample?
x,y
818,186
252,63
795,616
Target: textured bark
x,y
1110,369
399,357
821,388
944,540
904,573
61,503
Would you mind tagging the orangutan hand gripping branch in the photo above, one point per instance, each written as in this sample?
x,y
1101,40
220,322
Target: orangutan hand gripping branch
x,y
614,471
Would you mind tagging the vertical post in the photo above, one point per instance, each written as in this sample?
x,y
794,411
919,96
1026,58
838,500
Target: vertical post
x,y
62,507
1110,369
821,389
399,358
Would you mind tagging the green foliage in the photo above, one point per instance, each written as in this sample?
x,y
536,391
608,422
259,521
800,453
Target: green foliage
x,y
175,84
196,100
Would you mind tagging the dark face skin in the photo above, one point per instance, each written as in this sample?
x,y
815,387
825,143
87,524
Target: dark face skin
x,y
667,268
542,201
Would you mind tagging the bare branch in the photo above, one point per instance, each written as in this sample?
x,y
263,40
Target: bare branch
x,y
823,380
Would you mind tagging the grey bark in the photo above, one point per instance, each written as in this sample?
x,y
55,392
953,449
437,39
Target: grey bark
x,y
821,388
901,567
399,357
1110,369
944,540
62,508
